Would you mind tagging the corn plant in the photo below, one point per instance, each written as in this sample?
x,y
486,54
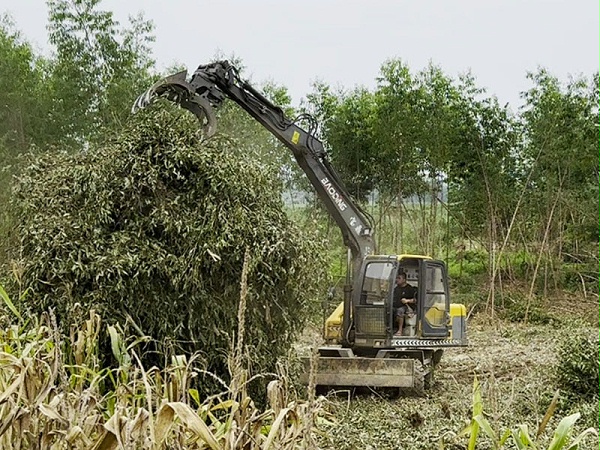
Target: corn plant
x,y
520,436
54,394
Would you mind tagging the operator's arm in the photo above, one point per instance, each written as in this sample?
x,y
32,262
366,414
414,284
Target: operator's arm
x,y
409,296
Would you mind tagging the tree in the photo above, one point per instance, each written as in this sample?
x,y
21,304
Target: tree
x,y
98,70
23,94
350,137
24,108
561,128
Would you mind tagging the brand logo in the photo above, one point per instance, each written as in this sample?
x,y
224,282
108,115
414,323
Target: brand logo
x,y
335,196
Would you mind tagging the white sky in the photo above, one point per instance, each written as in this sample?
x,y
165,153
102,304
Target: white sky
x,y
344,42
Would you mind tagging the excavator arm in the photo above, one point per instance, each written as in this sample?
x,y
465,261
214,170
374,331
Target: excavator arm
x,y
405,363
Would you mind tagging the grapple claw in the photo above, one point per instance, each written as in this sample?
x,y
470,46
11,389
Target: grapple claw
x,y
176,89
168,87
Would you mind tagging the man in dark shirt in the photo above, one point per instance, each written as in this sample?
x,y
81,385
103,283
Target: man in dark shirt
x,y
405,300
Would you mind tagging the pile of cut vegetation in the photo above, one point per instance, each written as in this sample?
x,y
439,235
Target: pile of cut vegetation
x,y
151,230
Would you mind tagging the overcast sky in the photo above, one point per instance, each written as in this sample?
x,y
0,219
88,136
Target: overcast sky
x,y
344,42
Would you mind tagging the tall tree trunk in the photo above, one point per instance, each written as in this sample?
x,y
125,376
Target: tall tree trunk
x,y
539,258
400,219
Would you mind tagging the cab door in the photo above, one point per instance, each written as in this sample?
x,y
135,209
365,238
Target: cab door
x,y
434,299
371,308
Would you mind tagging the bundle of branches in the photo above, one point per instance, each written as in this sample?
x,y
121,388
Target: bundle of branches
x,y
152,229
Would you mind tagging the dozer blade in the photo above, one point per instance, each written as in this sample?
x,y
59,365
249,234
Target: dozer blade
x,y
370,372
175,88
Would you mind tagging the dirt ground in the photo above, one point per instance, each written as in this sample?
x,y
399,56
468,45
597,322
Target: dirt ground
x,y
514,365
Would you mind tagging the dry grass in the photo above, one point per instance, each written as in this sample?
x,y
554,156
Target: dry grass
x,y
54,395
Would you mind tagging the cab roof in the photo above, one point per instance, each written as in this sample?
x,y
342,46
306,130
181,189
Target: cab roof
x,y
399,257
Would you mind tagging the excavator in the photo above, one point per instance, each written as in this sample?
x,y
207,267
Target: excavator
x,y
363,347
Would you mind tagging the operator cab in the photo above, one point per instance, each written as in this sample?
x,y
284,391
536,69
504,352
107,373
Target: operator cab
x,y
375,324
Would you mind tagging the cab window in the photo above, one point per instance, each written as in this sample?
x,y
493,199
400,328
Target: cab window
x,y
435,298
377,283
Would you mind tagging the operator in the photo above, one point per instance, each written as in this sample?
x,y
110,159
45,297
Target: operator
x,y
405,300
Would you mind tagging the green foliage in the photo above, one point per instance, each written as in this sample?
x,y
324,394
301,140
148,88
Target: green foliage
x,y
520,435
69,98
516,307
98,70
152,228
22,95
400,104
560,126
483,168
459,167
352,140
9,303
24,106
86,86
578,362
469,262
588,408
576,276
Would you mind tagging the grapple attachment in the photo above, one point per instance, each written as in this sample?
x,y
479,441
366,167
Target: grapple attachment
x,y
175,88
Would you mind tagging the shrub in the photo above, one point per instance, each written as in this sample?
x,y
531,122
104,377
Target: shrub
x,y
588,408
578,363
469,263
516,307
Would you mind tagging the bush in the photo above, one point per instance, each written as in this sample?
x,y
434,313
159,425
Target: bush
x,y
588,408
152,229
514,308
578,363
468,263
